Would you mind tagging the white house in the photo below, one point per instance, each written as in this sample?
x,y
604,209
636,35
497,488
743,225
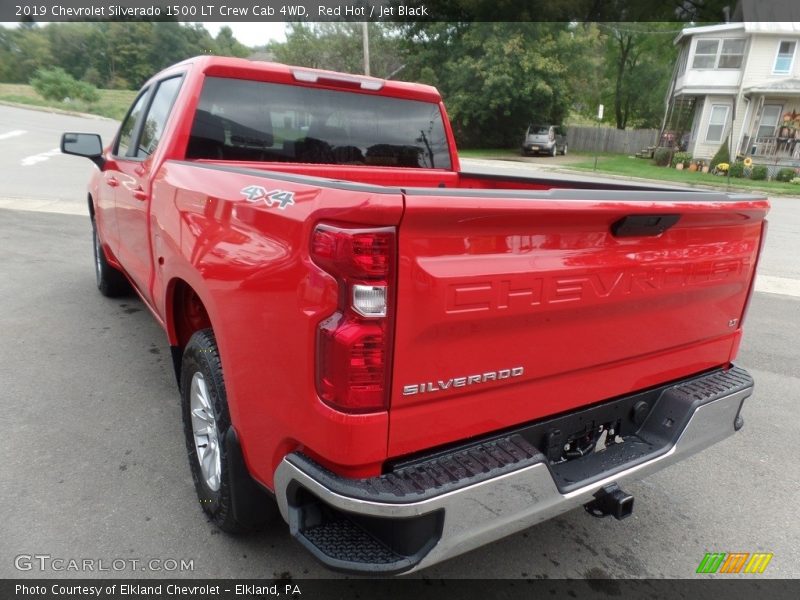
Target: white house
x,y
741,79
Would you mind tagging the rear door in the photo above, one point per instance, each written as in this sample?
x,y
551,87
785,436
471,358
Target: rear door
x,y
511,308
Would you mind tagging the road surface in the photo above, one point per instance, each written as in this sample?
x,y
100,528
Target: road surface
x,y
94,464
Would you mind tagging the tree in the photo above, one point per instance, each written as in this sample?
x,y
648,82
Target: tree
x,y
73,43
495,77
639,62
107,54
227,45
28,49
339,47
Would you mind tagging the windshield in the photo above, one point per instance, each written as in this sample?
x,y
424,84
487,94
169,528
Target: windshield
x,y
257,121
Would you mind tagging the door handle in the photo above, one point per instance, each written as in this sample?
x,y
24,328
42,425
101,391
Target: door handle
x,y
112,181
643,225
140,194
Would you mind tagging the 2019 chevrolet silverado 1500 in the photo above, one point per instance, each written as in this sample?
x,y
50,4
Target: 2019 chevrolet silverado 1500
x,y
408,360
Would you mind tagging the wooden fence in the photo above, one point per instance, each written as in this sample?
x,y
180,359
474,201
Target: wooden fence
x,y
608,139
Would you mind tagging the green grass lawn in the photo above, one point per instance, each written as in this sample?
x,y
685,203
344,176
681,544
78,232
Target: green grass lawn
x,y
112,103
636,167
488,153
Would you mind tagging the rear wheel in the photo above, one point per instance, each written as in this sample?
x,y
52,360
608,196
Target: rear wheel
x,y
110,281
564,150
226,493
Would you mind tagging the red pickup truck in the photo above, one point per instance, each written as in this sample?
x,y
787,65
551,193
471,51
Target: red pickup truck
x,y
408,360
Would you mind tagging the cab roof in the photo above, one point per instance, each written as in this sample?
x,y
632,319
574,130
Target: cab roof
x,y
240,68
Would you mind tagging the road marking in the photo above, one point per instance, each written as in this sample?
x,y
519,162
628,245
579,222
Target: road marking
x,y
29,161
60,207
767,284
10,134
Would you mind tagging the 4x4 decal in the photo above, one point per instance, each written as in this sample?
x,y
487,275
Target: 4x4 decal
x,y
256,193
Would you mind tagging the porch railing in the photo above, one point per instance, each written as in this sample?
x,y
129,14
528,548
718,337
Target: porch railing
x,y
775,147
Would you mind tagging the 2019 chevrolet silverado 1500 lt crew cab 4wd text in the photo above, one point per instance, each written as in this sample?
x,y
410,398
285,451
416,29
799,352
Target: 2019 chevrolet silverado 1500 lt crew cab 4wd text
x,y
410,361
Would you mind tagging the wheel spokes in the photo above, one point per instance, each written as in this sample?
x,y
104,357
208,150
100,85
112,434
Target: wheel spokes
x,y
205,432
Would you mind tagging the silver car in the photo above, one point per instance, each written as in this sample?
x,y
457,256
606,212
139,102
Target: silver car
x,y
544,139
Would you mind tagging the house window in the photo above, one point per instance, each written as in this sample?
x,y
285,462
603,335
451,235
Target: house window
x,y
705,54
718,54
683,59
769,120
731,55
716,123
783,62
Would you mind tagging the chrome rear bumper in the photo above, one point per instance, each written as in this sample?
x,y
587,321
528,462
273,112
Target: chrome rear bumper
x,y
458,518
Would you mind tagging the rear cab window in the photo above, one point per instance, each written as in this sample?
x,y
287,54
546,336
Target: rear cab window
x,y
243,120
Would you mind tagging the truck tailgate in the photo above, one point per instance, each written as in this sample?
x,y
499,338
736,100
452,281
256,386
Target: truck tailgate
x,y
514,307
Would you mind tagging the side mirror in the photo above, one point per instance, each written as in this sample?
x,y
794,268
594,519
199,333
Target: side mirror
x,y
88,145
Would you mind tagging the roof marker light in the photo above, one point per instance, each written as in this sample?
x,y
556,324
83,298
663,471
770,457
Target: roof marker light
x,y
313,77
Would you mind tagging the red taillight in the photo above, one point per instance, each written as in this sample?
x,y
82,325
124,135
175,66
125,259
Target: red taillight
x,y
354,344
354,253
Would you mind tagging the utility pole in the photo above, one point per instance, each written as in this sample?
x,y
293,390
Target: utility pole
x,y
365,32
599,118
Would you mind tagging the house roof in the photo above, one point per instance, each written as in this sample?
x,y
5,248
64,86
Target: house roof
x,y
779,86
776,27
791,28
689,31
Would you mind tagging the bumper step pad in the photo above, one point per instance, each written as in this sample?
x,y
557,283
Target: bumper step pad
x,y
345,541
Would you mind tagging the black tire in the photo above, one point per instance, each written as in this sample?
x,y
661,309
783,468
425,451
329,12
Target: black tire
x,y
110,281
235,504
554,151
564,150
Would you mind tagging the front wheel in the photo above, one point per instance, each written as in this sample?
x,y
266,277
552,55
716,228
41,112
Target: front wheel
x,y
227,494
554,151
110,281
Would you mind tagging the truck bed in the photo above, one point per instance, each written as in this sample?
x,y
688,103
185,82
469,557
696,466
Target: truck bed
x,y
586,293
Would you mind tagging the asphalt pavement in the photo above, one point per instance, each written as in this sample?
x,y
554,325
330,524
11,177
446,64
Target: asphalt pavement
x,y
94,464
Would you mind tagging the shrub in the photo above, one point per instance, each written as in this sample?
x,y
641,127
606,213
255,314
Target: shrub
x,y
57,84
723,155
681,157
662,156
737,169
92,76
786,174
759,173
795,181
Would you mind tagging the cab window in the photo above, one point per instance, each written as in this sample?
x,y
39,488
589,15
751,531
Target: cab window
x,y
128,128
157,116
243,120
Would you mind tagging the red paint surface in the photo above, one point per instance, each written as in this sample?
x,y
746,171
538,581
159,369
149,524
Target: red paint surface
x,y
483,284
